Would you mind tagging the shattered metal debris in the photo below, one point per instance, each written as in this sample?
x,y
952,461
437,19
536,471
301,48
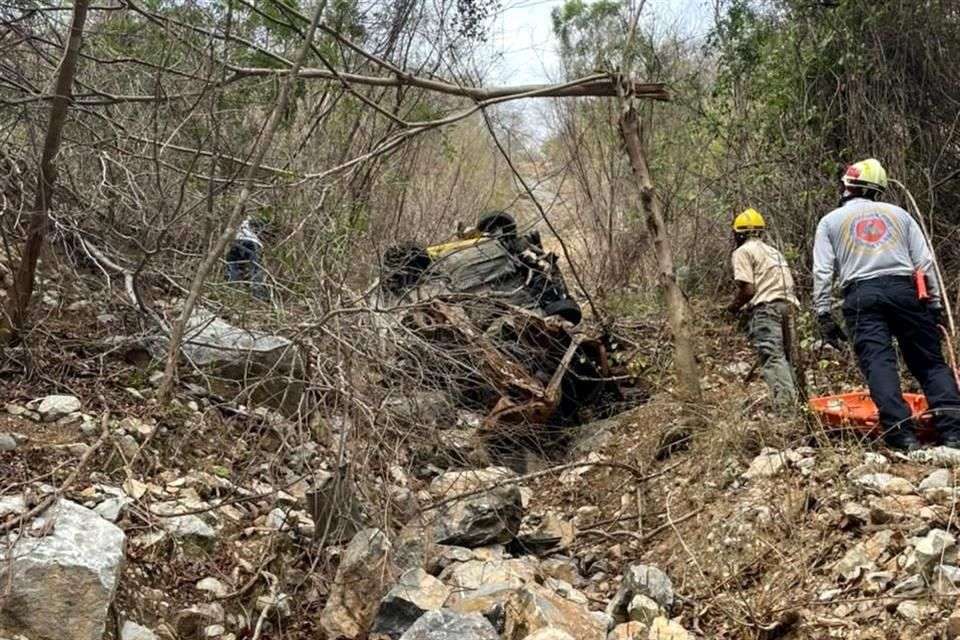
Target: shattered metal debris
x,y
492,313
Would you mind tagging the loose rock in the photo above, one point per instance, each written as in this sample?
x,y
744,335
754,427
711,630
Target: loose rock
x,y
549,634
467,576
885,484
213,586
533,608
765,465
133,631
934,548
941,456
664,629
541,533
629,631
643,609
68,574
414,594
52,408
449,625
641,579
938,479
362,580
488,517
7,442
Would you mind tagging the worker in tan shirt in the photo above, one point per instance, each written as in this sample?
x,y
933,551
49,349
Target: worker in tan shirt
x,y
765,289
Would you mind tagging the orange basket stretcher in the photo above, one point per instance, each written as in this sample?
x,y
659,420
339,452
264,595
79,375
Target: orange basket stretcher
x,y
857,411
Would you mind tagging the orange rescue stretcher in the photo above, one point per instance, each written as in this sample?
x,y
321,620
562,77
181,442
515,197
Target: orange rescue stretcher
x,y
857,411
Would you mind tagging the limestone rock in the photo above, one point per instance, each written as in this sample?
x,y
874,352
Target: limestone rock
x,y
940,456
111,508
941,478
566,590
67,575
467,576
643,609
191,528
765,465
454,483
362,580
561,569
866,555
7,442
213,586
52,408
912,586
449,625
241,357
629,631
414,594
664,629
533,608
946,579
895,508
488,601
279,604
490,516
876,582
549,634
546,532
641,579
936,547
885,484
910,611
133,631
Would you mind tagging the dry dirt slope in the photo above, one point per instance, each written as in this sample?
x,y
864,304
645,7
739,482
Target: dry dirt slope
x,y
818,537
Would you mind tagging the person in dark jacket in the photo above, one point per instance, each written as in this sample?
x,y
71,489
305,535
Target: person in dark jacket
x,y
244,258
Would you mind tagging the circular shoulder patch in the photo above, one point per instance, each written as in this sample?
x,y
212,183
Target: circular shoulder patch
x,y
872,231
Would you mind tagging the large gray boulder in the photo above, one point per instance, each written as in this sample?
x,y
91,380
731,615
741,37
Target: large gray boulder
x,y
449,625
60,576
490,513
269,368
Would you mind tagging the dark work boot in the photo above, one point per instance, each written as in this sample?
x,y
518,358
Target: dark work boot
x,y
903,439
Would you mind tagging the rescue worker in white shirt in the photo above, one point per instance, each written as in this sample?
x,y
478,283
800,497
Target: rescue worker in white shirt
x,y
874,251
243,257
766,290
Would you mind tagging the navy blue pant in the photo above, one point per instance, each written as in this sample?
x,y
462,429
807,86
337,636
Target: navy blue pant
x,y
243,265
876,311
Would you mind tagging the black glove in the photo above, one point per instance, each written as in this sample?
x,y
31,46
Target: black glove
x,y
830,331
936,314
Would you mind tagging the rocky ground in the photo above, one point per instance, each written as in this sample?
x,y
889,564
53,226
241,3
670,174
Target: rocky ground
x,y
209,519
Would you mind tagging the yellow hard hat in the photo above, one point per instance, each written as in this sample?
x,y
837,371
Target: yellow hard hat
x,y
866,174
749,220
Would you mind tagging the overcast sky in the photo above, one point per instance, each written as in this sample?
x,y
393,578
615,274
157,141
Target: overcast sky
x,y
523,37
522,40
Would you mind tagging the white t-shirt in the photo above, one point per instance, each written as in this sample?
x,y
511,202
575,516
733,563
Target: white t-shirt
x,y
246,233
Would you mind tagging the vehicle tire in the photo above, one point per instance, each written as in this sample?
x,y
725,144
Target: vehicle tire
x,y
567,309
497,223
403,264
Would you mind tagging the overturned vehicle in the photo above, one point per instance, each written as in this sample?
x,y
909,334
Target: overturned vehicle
x,y
488,318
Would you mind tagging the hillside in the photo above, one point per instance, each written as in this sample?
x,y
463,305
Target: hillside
x,y
763,528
